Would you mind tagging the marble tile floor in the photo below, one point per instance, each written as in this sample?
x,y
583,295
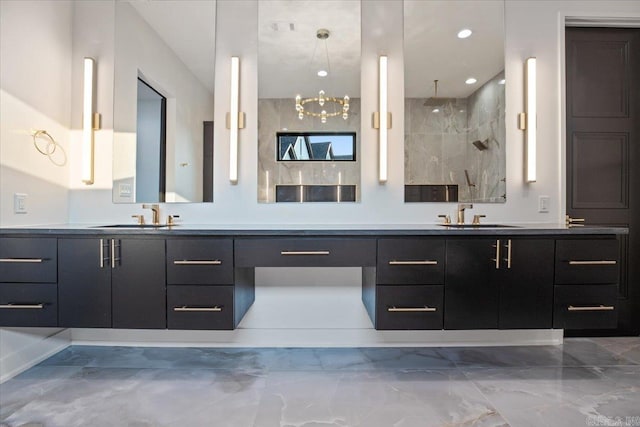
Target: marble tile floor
x,y
585,381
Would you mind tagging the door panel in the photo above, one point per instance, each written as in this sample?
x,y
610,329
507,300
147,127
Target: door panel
x,y
603,127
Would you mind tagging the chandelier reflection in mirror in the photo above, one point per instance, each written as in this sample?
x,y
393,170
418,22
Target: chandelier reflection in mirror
x,y
340,106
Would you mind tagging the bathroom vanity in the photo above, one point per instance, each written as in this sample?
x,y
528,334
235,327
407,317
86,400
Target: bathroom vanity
x,y
413,277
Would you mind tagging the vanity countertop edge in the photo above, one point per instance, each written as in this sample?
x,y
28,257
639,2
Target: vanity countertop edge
x,y
278,230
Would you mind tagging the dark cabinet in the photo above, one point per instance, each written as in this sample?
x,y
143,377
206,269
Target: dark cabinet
x,y
499,283
470,293
111,282
587,274
407,292
84,288
204,290
28,281
525,280
138,284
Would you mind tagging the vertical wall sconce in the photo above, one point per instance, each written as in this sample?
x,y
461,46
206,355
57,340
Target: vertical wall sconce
x,y
235,119
382,120
90,121
527,121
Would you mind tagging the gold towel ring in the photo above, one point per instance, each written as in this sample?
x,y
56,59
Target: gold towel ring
x,y
50,148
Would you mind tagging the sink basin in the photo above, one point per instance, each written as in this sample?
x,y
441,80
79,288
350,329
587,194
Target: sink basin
x,y
478,225
130,226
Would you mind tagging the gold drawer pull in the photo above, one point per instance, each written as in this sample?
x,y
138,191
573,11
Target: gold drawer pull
x,y
23,306
22,260
592,308
424,309
603,262
304,252
197,309
425,262
203,262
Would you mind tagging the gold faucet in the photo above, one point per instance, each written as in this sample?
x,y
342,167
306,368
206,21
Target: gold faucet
x,y
155,208
461,208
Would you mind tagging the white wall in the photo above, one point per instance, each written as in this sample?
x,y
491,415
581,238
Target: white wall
x,y
35,84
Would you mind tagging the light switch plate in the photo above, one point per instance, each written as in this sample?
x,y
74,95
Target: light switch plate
x,y
543,204
20,203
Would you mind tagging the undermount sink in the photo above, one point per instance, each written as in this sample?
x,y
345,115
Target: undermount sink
x,y
478,225
131,226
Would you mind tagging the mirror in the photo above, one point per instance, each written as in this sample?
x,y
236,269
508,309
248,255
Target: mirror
x,y
454,101
163,101
308,86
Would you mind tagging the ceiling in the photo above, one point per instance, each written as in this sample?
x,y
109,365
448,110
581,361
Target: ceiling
x,y
287,41
188,27
433,51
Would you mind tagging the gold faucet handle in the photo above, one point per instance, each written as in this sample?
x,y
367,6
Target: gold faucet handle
x,y
447,219
171,219
476,219
140,219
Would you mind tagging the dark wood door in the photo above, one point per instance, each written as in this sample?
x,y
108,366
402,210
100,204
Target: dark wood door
x,y
84,283
525,279
470,294
603,128
138,284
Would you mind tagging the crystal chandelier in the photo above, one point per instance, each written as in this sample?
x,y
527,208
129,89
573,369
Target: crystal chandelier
x,y
322,101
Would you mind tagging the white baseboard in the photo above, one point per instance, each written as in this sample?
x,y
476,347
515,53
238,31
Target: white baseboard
x,y
38,349
314,338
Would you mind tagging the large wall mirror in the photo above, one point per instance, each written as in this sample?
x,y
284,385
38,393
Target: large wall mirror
x,y
309,101
454,101
163,101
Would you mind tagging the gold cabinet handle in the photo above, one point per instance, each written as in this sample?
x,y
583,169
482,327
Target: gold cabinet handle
x,y
591,308
114,258
571,222
602,262
22,260
304,253
497,258
197,262
184,308
22,306
425,262
424,309
508,258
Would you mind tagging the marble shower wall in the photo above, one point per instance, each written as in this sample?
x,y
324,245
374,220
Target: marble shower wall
x,y
279,114
439,145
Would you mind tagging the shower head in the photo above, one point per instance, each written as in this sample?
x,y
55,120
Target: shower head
x,y
436,101
481,145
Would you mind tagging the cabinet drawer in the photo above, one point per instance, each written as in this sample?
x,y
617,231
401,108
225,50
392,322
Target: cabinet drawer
x,y
28,259
200,307
28,304
409,307
200,261
587,261
410,261
585,307
305,252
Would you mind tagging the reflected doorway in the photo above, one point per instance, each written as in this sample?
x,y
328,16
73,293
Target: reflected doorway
x,y
151,143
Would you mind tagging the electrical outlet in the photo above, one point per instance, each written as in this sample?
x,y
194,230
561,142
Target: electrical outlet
x,y
124,190
20,203
543,204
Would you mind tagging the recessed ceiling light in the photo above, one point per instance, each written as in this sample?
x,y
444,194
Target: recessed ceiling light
x,y
322,73
435,110
470,81
501,82
464,33
285,128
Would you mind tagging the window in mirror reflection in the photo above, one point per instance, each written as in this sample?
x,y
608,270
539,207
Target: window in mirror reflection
x,y
151,143
312,146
